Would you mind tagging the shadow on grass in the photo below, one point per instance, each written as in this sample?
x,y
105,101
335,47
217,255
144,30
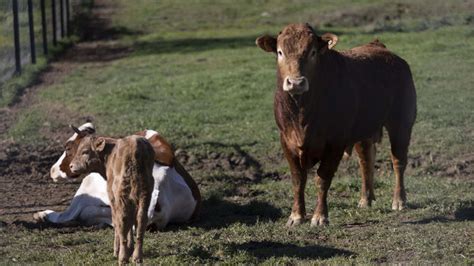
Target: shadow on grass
x,y
63,228
218,213
268,249
461,214
190,45
465,214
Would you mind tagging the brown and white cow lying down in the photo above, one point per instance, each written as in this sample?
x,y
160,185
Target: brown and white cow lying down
x,y
175,199
327,101
128,165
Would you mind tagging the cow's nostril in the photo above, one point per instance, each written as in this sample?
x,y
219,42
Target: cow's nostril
x,y
296,81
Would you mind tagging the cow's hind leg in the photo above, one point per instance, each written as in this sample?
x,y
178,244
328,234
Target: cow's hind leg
x,y
141,224
326,171
125,226
116,231
96,215
399,141
366,151
298,180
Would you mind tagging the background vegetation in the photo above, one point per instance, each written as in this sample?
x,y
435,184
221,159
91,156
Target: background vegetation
x,y
193,73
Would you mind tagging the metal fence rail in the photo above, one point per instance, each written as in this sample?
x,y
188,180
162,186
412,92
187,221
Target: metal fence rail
x,y
28,28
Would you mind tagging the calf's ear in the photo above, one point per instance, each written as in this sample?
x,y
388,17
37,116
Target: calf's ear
x,y
327,41
99,144
267,43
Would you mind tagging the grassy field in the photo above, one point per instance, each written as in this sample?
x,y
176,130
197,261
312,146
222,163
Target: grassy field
x,y
195,75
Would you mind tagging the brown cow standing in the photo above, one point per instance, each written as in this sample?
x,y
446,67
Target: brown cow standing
x,y
128,165
327,101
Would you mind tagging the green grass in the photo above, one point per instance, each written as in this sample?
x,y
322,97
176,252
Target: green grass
x,y
196,76
242,230
12,88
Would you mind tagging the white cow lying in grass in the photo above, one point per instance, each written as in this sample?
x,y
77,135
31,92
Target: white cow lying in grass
x,y
176,197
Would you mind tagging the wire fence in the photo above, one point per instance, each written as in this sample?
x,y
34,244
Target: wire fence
x,y
28,28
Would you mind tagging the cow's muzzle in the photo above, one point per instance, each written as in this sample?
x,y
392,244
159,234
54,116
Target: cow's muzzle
x,y
75,170
297,85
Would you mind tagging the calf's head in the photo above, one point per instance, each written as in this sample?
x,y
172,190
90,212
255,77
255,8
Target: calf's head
x,y
297,48
61,168
87,157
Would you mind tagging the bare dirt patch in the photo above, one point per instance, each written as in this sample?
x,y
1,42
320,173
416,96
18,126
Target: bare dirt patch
x,y
25,184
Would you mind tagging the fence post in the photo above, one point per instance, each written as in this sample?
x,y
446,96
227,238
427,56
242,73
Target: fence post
x,y
16,36
68,19
61,16
53,14
32,32
43,27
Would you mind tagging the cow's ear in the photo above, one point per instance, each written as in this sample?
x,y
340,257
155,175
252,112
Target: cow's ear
x,y
326,42
267,43
99,144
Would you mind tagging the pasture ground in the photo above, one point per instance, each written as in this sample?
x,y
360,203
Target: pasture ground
x,y
191,70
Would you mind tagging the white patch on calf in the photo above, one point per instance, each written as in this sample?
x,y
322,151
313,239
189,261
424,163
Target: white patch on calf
x,y
87,125
55,171
150,133
90,204
81,128
174,196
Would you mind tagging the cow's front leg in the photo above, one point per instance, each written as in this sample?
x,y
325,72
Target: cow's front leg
x,y
298,180
326,171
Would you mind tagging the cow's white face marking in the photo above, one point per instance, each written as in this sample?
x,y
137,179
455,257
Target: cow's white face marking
x,y
55,171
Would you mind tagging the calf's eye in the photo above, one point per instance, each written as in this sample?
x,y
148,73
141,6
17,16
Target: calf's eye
x,y
280,53
313,53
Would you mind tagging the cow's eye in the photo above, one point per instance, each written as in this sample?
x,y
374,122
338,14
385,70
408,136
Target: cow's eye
x,y
313,53
280,53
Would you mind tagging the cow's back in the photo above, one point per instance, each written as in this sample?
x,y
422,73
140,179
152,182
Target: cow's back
x,y
383,85
131,165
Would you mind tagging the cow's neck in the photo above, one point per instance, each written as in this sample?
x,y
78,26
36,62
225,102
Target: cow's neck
x,y
297,112
294,107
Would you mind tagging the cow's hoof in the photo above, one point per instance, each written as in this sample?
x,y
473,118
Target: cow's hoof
x,y
123,261
37,217
319,220
138,261
364,203
294,221
398,205
40,217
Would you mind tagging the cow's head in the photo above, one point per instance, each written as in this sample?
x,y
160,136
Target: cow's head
x,y
87,157
61,168
297,48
